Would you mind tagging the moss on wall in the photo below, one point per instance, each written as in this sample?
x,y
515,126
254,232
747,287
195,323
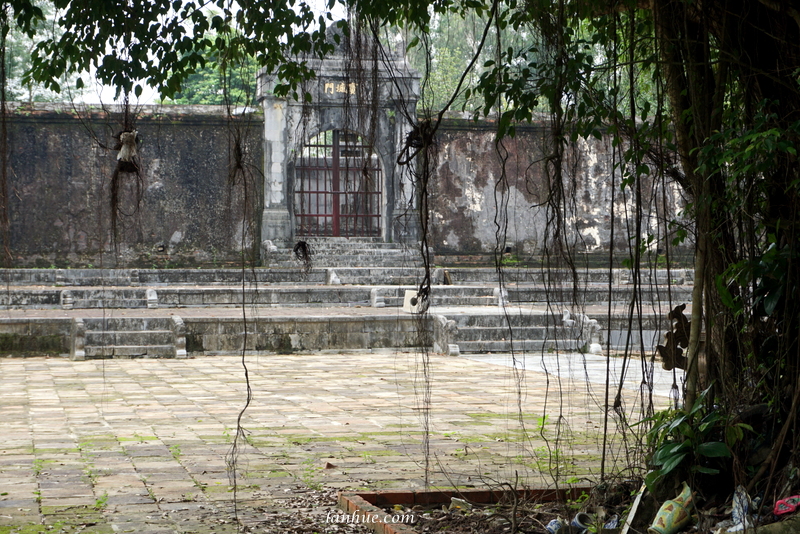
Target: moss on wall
x,y
24,345
185,209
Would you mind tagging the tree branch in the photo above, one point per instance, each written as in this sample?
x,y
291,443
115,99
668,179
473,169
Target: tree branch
x,y
782,7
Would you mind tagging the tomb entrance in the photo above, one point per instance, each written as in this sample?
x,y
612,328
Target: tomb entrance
x,y
331,151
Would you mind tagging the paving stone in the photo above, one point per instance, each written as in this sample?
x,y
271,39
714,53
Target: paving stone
x,y
131,509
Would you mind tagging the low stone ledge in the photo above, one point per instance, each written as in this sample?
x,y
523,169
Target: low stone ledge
x,y
22,336
210,335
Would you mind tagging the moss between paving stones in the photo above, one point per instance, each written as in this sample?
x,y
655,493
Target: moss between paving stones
x,y
25,529
45,451
391,433
471,423
100,443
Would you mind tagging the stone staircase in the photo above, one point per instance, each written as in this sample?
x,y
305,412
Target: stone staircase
x,y
395,296
114,297
465,310
128,337
346,252
530,332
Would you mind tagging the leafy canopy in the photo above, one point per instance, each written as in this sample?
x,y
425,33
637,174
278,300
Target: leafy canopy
x,y
131,44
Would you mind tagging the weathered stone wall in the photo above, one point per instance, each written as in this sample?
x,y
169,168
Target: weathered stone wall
x,y
191,210
482,190
192,213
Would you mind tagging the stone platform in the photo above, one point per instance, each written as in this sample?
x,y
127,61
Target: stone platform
x,y
60,311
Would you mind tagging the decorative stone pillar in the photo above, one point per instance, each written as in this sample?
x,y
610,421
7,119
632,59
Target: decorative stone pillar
x,y
276,224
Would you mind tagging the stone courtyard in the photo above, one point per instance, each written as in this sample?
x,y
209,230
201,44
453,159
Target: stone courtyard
x,y
141,445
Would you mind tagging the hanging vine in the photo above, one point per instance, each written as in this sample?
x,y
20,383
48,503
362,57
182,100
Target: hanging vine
x,y
5,224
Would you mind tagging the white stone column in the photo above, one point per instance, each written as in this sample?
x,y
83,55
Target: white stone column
x,y
276,224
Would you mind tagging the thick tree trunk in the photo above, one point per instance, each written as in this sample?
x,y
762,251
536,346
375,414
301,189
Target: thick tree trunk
x,y
696,325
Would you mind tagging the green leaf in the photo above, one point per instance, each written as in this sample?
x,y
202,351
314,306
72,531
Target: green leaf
x,y
677,422
724,294
651,478
709,421
713,449
701,399
706,470
680,447
772,299
504,123
733,434
672,463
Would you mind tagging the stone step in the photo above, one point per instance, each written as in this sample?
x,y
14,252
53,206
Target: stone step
x,y
347,291
460,275
130,351
447,300
497,332
499,320
384,249
340,252
318,246
356,239
441,291
539,333
129,338
346,260
595,280
29,298
598,294
128,324
108,303
442,295
292,275
270,297
118,292
526,345
339,245
114,297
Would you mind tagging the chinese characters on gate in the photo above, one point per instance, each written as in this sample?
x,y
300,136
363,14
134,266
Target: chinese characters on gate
x,y
341,87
